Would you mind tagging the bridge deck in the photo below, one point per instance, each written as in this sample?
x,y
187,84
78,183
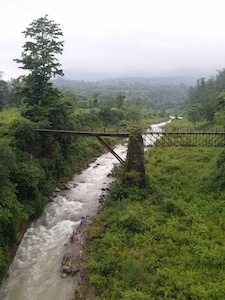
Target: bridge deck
x,y
84,133
158,139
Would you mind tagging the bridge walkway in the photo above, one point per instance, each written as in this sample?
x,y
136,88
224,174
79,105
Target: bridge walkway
x,y
151,138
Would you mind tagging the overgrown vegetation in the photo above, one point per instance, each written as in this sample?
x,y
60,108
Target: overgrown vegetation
x,y
205,101
166,242
162,242
27,183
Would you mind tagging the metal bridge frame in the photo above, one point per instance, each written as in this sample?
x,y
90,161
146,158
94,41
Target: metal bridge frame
x,y
151,138
98,135
185,139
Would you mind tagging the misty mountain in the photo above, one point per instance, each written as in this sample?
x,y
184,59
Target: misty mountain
x,y
137,91
179,76
176,80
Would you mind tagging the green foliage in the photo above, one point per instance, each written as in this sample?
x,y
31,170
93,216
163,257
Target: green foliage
x,y
134,295
12,215
40,58
142,93
206,98
26,183
120,98
40,51
24,136
59,115
132,177
117,192
4,93
218,174
169,245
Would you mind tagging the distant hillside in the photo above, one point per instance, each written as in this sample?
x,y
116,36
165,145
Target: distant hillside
x,y
187,77
91,77
174,80
143,92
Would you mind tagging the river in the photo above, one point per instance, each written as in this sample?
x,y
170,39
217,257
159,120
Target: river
x,y
35,273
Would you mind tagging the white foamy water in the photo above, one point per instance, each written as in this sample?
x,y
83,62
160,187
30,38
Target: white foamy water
x,y
150,139
35,273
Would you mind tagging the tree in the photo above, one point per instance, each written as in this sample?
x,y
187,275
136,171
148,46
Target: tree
x,y
193,112
1,94
209,108
39,57
120,97
95,100
4,93
221,101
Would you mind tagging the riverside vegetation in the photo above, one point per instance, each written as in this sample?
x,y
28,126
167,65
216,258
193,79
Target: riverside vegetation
x,y
167,241
31,102
162,242
26,181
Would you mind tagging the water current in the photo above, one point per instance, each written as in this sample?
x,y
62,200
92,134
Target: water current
x,y
35,273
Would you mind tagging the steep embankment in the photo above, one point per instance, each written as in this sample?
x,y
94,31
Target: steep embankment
x,y
27,183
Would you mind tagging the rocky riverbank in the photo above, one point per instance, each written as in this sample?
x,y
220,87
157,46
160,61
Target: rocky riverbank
x,y
75,256
73,260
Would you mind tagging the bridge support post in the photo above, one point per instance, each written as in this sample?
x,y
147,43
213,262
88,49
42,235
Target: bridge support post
x,y
48,146
135,165
111,150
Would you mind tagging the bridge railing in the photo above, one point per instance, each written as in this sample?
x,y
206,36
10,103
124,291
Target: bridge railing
x,y
196,129
184,139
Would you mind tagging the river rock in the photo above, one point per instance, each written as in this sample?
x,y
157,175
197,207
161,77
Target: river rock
x,y
64,186
74,270
73,258
101,199
66,269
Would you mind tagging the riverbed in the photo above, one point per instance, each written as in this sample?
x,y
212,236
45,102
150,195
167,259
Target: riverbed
x,y
35,273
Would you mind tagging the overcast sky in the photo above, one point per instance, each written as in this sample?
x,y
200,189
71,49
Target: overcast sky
x,y
121,36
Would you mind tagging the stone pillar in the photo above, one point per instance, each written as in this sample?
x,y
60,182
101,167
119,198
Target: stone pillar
x,y
135,165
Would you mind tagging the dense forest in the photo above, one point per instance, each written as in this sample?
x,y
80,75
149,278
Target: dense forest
x,y
205,100
142,92
162,242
